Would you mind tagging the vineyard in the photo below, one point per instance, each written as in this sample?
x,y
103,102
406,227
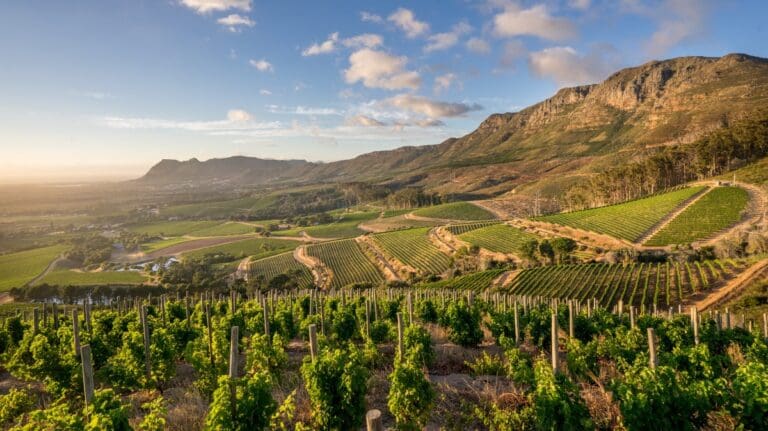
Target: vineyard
x,y
477,282
82,278
256,247
16,269
270,267
628,221
344,227
376,358
455,211
717,210
643,284
462,228
499,238
413,248
346,261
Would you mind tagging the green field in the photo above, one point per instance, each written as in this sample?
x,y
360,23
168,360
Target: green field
x,y
76,278
344,227
663,284
284,263
16,269
257,247
477,281
225,229
461,228
413,248
499,238
455,211
172,228
754,173
717,210
629,220
161,244
347,262
395,213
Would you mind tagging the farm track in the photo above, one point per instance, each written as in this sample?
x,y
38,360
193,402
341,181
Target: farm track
x,y
757,207
320,273
499,214
45,272
595,239
715,296
381,262
438,237
411,216
504,279
671,216
241,272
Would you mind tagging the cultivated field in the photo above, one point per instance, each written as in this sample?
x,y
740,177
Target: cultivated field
x,y
347,262
478,281
81,278
172,228
455,211
717,210
256,247
413,248
499,238
345,227
628,221
284,263
16,269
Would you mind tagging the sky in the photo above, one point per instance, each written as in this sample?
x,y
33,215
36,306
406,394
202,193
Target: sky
x,y
105,89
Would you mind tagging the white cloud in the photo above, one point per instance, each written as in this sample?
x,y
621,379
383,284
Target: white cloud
x,y
206,6
580,4
444,82
535,21
234,22
376,69
429,108
513,50
303,110
265,92
262,65
406,20
370,17
678,21
478,46
238,116
322,48
367,40
441,41
567,67
363,121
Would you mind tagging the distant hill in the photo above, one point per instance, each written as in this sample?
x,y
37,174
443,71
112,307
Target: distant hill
x,y
578,131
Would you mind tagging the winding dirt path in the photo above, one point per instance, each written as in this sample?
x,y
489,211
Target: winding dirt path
x,y
242,269
438,237
732,287
491,208
756,208
671,216
411,216
45,272
389,271
320,274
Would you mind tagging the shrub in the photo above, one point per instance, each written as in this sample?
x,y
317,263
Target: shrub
x,y
750,399
557,401
107,412
253,400
336,383
410,396
418,345
463,324
427,312
15,403
486,365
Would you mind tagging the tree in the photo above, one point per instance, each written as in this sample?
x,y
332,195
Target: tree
x,y
563,247
546,251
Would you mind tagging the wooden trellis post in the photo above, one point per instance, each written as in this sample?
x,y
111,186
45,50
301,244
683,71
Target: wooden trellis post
x,y
145,326
210,333
313,341
400,344
653,361
75,331
695,323
266,320
233,356
373,420
571,323
85,354
555,345
36,320
517,324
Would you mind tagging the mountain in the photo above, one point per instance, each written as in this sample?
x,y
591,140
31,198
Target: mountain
x,y
578,131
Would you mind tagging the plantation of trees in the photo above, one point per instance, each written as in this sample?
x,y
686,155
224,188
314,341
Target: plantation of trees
x,y
413,248
628,221
720,208
345,359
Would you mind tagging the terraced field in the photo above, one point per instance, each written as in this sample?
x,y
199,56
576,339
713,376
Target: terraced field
x,y
284,263
462,228
413,248
16,269
499,238
663,284
455,211
257,247
78,278
347,262
628,220
345,227
477,281
717,210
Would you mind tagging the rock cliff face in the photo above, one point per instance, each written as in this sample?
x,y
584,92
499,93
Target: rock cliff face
x,y
575,132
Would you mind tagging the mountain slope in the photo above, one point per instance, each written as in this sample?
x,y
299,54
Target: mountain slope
x,y
576,132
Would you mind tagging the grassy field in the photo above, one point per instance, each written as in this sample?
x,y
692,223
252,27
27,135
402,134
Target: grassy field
x,y
395,213
455,211
225,229
413,248
629,220
172,228
345,227
754,173
284,263
347,261
257,247
663,284
16,269
76,278
717,210
161,244
499,238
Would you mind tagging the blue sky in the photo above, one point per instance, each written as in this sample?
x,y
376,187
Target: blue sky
x,y
105,89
